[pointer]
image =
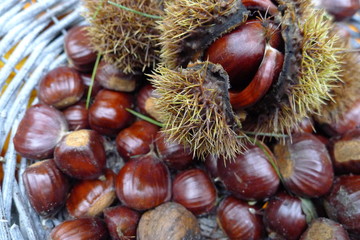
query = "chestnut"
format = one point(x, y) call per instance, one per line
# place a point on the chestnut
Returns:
point(136, 139)
point(77, 116)
point(95, 86)
point(325, 229)
point(81, 154)
point(239, 220)
point(61, 87)
point(194, 190)
point(122, 222)
point(343, 202)
point(305, 165)
point(111, 77)
point(345, 152)
point(46, 186)
point(211, 167)
point(168, 221)
point(341, 9)
point(78, 50)
point(145, 100)
point(174, 154)
point(40, 130)
point(80, 229)
point(108, 115)
point(283, 217)
point(250, 175)
point(89, 198)
point(143, 182)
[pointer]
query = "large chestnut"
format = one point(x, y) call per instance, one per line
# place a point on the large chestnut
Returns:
point(78, 50)
point(46, 186)
point(143, 182)
point(249, 176)
point(108, 115)
point(305, 165)
point(40, 130)
point(239, 220)
point(194, 190)
point(81, 154)
point(89, 198)
point(80, 229)
point(136, 139)
point(61, 87)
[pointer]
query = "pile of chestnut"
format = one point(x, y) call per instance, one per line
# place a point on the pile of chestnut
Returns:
point(307, 187)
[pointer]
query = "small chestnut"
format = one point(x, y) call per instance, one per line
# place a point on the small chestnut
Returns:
point(145, 100)
point(46, 186)
point(325, 229)
point(194, 190)
point(40, 130)
point(108, 115)
point(89, 198)
point(77, 116)
point(80, 229)
point(61, 87)
point(136, 139)
point(122, 222)
point(81, 154)
point(143, 182)
point(78, 50)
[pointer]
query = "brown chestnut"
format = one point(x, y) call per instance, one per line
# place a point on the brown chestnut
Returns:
point(345, 152)
point(174, 154)
point(325, 229)
point(77, 116)
point(46, 186)
point(89, 198)
point(40, 130)
point(239, 220)
point(111, 77)
point(81, 154)
point(61, 87)
point(250, 175)
point(168, 221)
point(80, 229)
point(305, 165)
point(108, 115)
point(122, 222)
point(341, 9)
point(145, 100)
point(342, 204)
point(143, 182)
point(95, 86)
point(283, 217)
point(194, 190)
point(136, 139)
point(78, 50)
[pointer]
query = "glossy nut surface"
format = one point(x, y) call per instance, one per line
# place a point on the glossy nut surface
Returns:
point(81, 154)
point(46, 186)
point(40, 130)
point(77, 116)
point(61, 87)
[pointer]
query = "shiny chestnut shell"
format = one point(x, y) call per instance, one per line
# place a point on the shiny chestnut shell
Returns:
point(46, 186)
point(305, 165)
point(342, 204)
point(136, 139)
point(143, 182)
point(325, 229)
point(78, 50)
point(81, 154)
point(194, 190)
point(250, 175)
point(174, 154)
point(239, 220)
point(40, 130)
point(283, 216)
point(122, 222)
point(61, 87)
point(80, 229)
point(89, 198)
point(108, 115)
point(77, 116)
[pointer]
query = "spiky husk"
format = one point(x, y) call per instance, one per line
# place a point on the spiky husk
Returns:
point(189, 26)
point(311, 70)
point(125, 39)
point(195, 110)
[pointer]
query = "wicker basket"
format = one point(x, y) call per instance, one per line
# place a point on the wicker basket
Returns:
point(31, 43)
